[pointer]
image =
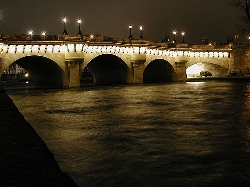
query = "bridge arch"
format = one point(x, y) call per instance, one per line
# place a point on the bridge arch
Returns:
point(108, 69)
point(216, 70)
point(159, 71)
point(44, 71)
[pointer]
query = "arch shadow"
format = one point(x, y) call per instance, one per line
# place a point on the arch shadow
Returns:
point(108, 69)
point(158, 71)
point(45, 72)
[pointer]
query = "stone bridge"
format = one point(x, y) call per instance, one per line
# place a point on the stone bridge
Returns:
point(60, 63)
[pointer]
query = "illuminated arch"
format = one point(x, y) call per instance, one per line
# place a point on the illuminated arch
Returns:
point(215, 69)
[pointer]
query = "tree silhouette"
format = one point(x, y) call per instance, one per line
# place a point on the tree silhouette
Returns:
point(244, 8)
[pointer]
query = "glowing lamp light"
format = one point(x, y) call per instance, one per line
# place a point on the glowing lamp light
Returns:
point(130, 32)
point(174, 33)
point(79, 21)
point(30, 32)
point(64, 20)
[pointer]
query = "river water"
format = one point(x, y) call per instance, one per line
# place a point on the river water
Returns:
point(178, 134)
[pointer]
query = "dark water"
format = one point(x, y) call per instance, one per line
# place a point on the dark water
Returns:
point(186, 134)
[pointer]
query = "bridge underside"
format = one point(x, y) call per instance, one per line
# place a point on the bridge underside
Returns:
point(44, 71)
point(215, 69)
point(109, 70)
point(158, 71)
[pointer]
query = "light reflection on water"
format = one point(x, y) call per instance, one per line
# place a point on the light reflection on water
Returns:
point(186, 134)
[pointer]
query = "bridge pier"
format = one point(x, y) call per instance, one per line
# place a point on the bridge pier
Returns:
point(138, 69)
point(74, 72)
point(180, 69)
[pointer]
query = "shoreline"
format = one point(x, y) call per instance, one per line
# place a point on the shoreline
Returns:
point(224, 79)
point(25, 158)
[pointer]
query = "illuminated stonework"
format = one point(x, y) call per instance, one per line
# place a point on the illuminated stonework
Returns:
point(130, 53)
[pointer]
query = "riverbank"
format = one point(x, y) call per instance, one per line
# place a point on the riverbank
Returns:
point(25, 159)
point(220, 79)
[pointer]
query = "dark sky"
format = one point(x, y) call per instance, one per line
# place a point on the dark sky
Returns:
point(214, 19)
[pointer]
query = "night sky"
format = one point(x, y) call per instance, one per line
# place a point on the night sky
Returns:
point(214, 19)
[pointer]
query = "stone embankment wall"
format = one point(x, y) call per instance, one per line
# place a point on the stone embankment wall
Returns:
point(24, 158)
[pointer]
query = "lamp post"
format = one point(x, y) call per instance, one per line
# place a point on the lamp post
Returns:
point(141, 28)
point(174, 33)
point(130, 32)
point(43, 35)
point(183, 38)
point(30, 33)
point(64, 26)
point(91, 37)
point(79, 26)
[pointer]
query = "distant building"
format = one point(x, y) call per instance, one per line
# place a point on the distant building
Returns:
point(204, 41)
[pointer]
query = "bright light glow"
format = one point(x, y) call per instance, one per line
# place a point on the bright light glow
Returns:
point(194, 70)
point(211, 54)
point(64, 20)
point(221, 54)
point(175, 54)
point(79, 21)
point(63, 48)
point(5, 48)
point(26, 75)
point(174, 32)
point(34, 48)
point(180, 53)
point(79, 47)
point(19, 48)
point(30, 32)
point(130, 26)
point(12, 48)
point(49, 48)
point(91, 36)
point(141, 28)
point(71, 47)
point(56, 48)
point(43, 33)
point(28, 48)
point(42, 48)
point(183, 33)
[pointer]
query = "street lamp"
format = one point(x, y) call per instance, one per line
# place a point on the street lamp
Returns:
point(64, 26)
point(141, 28)
point(183, 39)
point(174, 33)
point(43, 34)
point(30, 33)
point(130, 32)
point(91, 37)
point(79, 26)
